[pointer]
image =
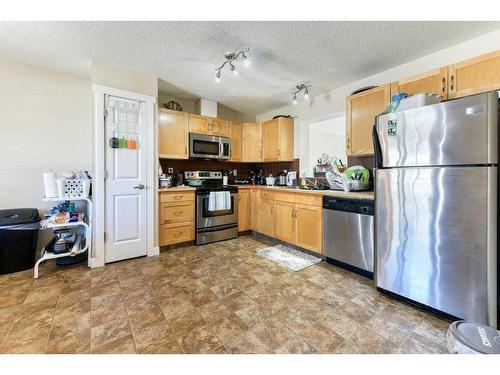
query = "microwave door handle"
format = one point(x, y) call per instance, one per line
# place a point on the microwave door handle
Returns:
point(220, 149)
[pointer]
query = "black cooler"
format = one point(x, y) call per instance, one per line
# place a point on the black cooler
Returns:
point(18, 239)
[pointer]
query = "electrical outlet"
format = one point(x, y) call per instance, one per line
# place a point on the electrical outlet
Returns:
point(235, 172)
point(170, 170)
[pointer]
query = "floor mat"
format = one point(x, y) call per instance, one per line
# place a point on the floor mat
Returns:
point(289, 258)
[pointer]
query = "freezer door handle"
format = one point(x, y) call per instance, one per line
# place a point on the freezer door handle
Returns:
point(377, 150)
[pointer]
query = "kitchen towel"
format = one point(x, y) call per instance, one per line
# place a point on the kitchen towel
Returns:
point(219, 201)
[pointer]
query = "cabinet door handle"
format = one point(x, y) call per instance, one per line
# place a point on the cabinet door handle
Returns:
point(443, 84)
point(452, 82)
point(177, 213)
point(348, 143)
point(185, 149)
point(178, 197)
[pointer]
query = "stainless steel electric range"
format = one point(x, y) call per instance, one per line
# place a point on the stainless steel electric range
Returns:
point(213, 225)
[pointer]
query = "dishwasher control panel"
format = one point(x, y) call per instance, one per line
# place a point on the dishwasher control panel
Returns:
point(358, 206)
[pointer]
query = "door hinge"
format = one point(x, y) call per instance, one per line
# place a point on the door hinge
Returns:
point(105, 236)
point(106, 113)
point(105, 175)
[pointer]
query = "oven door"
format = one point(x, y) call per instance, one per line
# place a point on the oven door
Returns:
point(206, 146)
point(206, 218)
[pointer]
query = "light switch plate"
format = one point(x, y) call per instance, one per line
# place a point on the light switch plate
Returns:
point(235, 172)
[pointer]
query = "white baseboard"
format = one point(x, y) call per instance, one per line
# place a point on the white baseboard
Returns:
point(154, 252)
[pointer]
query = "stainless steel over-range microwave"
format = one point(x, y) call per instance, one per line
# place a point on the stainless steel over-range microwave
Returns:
point(202, 146)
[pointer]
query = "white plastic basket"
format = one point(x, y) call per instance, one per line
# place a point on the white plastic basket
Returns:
point(76, 188)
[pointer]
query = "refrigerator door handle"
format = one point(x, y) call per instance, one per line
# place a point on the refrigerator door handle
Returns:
point(377, 150)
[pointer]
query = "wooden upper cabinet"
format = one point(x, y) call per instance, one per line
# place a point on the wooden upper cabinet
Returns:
point(236, 135)
point(219, 127)
point(172, 134)
point(361, 111)
point(198, 124)
point(271, 140)
point(277, 140)
point(474, 76)
point(433, 82)
point(244, 210)
point(207, 125)
point(252, 142)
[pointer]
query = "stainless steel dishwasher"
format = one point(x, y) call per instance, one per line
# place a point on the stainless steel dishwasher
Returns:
point(348, 233)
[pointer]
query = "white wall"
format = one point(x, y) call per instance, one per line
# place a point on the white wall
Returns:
point(322, 106)
point(124, 79)
point(223, 111)
point(187, 106)
point(327, 136)
point(45, 122)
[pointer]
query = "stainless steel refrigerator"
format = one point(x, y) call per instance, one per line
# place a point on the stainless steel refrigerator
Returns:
point(436, 206)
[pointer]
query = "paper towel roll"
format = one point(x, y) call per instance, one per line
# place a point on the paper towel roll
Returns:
point(50, 185)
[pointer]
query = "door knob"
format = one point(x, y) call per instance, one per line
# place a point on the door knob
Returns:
point(140, 187)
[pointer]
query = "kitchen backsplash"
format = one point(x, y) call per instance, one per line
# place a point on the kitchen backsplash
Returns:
point(243, 169)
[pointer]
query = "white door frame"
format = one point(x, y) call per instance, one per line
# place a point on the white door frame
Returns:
point(98, 181)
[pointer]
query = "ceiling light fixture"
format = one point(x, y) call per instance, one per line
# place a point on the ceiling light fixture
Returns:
point(230, 58)
point(300, 87)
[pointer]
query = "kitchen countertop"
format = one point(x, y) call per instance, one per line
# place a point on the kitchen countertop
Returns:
point(331, 193)
point(177, 188)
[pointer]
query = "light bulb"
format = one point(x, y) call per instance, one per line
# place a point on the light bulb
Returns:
point(294, 100)
point(306, 95)
point(217, 77)
point(235, 72)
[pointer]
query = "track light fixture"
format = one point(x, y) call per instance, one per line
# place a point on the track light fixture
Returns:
point(298, 89)
point(231, 57)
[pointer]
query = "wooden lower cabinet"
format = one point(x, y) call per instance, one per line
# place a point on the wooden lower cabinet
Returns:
point(176, 217)
point(284, 221)
point(174, 213)
point(176, 233)
point(244, 210)
point(254, 210)
point(293, 218)
point(266, 216)
point(309, 227)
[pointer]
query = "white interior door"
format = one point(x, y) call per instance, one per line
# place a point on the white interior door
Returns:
point(126, 169)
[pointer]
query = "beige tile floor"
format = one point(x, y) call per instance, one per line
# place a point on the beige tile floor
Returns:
point(218, 298)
